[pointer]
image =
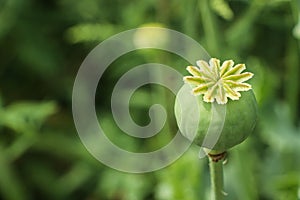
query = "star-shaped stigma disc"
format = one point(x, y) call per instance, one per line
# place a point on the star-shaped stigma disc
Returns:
point(218, 82)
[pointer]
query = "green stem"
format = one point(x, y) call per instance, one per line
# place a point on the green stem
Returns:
point(216, 177)
point(210, 27)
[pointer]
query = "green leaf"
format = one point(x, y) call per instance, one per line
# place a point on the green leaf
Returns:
point(25, 117)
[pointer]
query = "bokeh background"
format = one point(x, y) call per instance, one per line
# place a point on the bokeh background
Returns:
point(43, 43)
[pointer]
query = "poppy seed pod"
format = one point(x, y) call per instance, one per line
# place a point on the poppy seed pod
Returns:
point(219, 85)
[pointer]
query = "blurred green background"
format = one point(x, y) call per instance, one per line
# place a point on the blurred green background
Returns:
point(43, 43)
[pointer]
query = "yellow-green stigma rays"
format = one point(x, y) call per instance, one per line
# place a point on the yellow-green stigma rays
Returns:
point(218, 82)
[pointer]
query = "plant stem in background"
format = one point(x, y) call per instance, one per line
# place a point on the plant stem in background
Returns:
point(216, 176)
point(210, 27)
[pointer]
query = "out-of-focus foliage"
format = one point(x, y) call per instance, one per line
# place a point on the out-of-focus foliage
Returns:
point(42, 46)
